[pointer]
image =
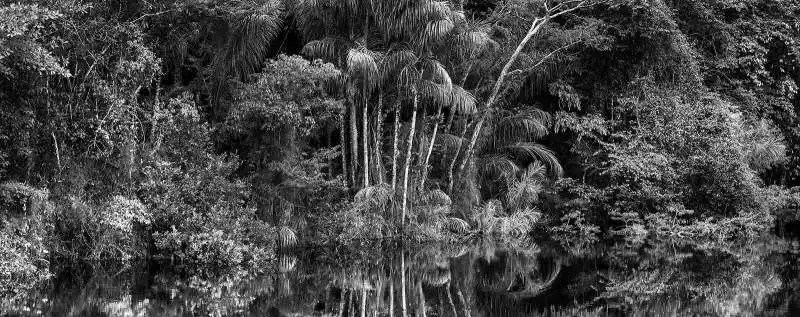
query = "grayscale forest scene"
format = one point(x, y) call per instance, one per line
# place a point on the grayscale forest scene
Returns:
point(399, 158)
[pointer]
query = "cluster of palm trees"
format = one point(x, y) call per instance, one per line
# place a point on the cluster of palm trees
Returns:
point(406, 66)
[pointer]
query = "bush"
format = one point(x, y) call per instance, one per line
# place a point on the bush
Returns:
point(200, 214)
point(121, 230)
point(23, 237)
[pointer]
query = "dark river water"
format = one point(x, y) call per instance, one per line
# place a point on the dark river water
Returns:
point(476, 278)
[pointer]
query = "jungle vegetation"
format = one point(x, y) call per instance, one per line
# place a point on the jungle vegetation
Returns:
point(215, 132)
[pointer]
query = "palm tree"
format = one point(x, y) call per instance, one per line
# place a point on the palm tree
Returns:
point(509, 147)
point(408, 33)
point(250, 29)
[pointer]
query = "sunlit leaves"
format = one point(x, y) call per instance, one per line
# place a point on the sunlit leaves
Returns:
point(22, 40)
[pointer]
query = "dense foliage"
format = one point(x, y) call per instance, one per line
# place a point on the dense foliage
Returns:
point(215, 132)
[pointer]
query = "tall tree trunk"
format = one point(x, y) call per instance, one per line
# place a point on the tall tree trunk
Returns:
point(535, 27)
point(365, 137)
point(378, 139)
point(430, 147)
point(354, 142)
point(395, 149)
point(408, 156)
point(343, 142)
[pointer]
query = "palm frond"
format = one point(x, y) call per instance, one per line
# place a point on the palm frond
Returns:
point(435, 72)
point(248, 41)
point(329, 49)
point(530, 152)
point(447, 143)
point(396, 61)
point(438, 93)
point(524, 192)
point(361, 63)
point(475, 41)
point(497, 167)
point(765, 154)
point(437, 30)
point(462, 101)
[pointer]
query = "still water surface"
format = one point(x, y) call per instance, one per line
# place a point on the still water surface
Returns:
point(479, 278)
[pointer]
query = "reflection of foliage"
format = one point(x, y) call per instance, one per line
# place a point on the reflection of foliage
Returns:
point(731, 279)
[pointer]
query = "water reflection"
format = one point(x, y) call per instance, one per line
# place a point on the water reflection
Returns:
point(754, 278)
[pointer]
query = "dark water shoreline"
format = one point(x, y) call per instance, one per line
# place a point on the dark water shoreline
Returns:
point(483, 278)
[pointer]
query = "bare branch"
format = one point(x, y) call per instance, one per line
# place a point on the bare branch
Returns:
point(543, 59)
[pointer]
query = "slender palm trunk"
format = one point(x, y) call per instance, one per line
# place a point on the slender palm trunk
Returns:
point(343, 142)
point(395, 154)
point(408, 156)
point(378, 139)
point(395, 149)
point(430, 147)
point(365, 137)
point(353, 142)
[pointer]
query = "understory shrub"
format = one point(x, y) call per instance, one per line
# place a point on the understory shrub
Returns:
point(23, 237)
point(201, 215)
